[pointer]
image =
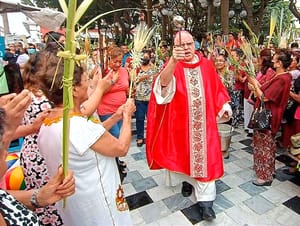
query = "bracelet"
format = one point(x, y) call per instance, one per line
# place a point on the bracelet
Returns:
point(33, 200)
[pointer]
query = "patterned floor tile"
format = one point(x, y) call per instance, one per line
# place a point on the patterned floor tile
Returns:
point(252, 189)
point(246, 174)
point(139, 156)
point(238, 202)
point(294, 204)
point(246, 142)
point(248, 149)
point(174, 219)
point(275, 196)
point(236, 195)
point(281, 176)
point(177, 202)
point(144, 184)
point(138, 200)
point(284, 158)
point(192, 213)
point(259, 204)
point(221, 186)
point(132, 176)
point(233, 180)
point(159, 193)
point(232, 156)
point(222, 203)
point(154, 211)
point(296, 180)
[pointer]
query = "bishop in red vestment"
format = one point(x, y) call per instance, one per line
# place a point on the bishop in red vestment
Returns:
point(187, 99)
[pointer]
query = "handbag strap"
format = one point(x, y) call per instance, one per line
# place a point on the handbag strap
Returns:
point(262, 102)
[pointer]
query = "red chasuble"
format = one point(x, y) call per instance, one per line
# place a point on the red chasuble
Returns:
point(182, 136)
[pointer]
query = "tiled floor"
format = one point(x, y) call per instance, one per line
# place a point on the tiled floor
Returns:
point(238, 203)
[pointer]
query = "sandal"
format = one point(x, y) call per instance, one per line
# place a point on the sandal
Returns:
point(139, 142)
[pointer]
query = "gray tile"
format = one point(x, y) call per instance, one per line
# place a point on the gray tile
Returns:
point(245, 174)
point(221, 203)
point(139, 156)
point(144, 184)
point(252, 189)
point(132, 176)
point(154, 211)
point(244, 163)
point(177, 202)
point(238, 202)
point(221, 186)
point(259, 204)
point(246, 142)
point(231, 158)
point(248, 149)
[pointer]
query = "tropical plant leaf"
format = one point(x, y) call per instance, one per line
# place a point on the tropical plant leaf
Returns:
point(81, 10)
point(64, 7)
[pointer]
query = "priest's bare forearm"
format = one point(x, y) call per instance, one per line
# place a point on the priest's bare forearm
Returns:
point(167, 72)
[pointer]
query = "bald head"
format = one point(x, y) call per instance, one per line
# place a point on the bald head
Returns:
point(187, 43)
point(185, 37)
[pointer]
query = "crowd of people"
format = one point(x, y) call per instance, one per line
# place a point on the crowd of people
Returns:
point(180, 96)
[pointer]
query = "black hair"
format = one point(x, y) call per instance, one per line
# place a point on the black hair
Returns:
point(266, 60)
point(285, 56)
point(52, 36)
point(294, 45)
point(238, 51)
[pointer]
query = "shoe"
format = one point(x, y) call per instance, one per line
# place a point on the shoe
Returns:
point(225, 154)
point(266, 183)
point(140, 142)
point(187, 189)
point(208, 213)
point(250, 135)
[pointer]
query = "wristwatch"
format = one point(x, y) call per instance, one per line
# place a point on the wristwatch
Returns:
point(33, 199)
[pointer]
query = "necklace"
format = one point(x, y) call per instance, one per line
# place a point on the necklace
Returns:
point(49, 121)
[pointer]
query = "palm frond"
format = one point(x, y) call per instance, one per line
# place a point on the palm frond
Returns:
point(273, 22)
point(63, 6)
point(248, 60)
point(142, 37)
point(81, 10)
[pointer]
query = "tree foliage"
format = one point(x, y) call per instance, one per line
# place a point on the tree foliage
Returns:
point(198, 19)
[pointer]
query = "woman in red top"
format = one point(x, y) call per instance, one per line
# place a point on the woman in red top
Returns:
point(116, 96)
point(276, 94)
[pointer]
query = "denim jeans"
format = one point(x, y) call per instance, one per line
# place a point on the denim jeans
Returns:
point(115, 129)
point(140, 115)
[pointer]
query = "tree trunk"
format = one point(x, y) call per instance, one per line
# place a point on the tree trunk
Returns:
point(149, 13)
point(211, 15)
point(294, 10)
point(249, 19)
point(224, 16)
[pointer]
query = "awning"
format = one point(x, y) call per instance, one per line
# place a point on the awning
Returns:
point(44, 17)
point(7, 6)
